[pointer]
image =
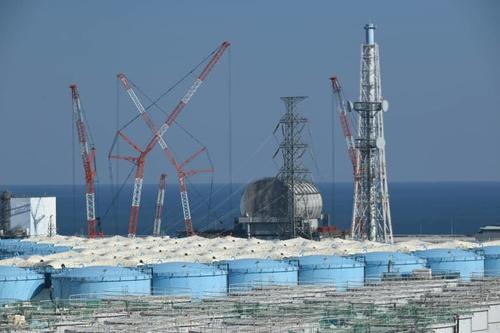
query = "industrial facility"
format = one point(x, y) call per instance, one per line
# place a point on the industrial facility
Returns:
point(25, 217)
point(288, 205)
point(275, 276)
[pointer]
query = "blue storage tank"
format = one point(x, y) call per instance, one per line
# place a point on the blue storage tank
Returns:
point(19, 284)
point(464, 264)
point(380, 264)
point(491, 260)
point(245, 274)
point(338, 271)
point(190, 279)
point(96, 281)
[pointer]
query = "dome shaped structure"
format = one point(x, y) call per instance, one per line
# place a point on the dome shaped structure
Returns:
point(267, 197)
point(264, 209)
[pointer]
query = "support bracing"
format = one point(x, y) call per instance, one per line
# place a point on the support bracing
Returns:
point(159, 206)
point(371, 211)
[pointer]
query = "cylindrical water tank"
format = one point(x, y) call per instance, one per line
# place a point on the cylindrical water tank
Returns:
point(96, 281)
point(491, 260)
point(190, 279)
point(245, 274)
point(450, 262)
point(381, 264)
point(19, 284)
point(338, 271)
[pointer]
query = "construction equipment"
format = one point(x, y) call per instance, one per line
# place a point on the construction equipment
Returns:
point(139, 178)
point(159, 205)
point(342, 109)
point(179, 167)
point(87, 151)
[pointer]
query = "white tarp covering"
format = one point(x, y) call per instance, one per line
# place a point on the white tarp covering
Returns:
point(125, 251)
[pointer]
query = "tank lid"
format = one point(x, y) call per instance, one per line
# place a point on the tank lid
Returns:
point(395, 257)
point(325, 261)
point(102, 273)
point(448, 255)
point(12, 273)
point(185, 269)
point(259, 265)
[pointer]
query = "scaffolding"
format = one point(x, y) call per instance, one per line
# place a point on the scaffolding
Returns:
point(402, 305)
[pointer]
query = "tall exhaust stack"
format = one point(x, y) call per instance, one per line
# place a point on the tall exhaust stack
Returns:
point(371, 212)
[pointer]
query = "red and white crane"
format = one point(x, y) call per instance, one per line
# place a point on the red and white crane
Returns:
point(159, 205)
point(87, 151)
point(139, 178)
point(342, 105)
point(181, 172)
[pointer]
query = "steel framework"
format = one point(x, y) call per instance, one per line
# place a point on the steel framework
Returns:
point(371, 211)
point(182, 174)
point(292, 149)
point(159, 205)
point(87, 152)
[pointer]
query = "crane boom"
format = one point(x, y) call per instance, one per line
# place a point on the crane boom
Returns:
point(159, 205)
point(158, 134)
point(194, 87)
point(138, 179)
point(88, 156)
point(344, 122)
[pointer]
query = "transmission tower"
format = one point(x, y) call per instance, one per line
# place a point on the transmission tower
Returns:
point(371, 211)
point(292, 149)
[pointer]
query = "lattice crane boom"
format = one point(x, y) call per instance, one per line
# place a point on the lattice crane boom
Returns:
point(159, 206)
point(158, 134)
point(138, 179)
point(88, 155)
point(342, 110)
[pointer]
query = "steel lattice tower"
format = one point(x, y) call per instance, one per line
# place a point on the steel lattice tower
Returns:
point(292, 149)
point(371, 212)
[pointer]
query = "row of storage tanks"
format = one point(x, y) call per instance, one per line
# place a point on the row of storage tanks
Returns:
point(203, 280)
point(16, 247)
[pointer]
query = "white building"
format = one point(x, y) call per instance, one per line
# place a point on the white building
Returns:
point(33, 216)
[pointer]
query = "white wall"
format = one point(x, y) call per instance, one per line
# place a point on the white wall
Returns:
point(26, 211)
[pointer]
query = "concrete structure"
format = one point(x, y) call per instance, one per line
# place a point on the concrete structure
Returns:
point(188, 279)
point(337, 271)
point(100, 281)
point(488, 233)
point(34, 216)
point(451, 262)
point(19, 284)
point(380, 265)
point(246, 274)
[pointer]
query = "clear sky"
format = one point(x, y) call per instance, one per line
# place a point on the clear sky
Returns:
point(439, 62)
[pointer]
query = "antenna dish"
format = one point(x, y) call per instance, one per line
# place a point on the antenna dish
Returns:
point(385, 105)
point(380, 143)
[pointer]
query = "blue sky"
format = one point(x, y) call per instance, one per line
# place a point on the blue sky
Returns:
point(438, 61)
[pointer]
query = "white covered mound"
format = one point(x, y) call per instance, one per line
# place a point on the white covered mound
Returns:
point(132, 252)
